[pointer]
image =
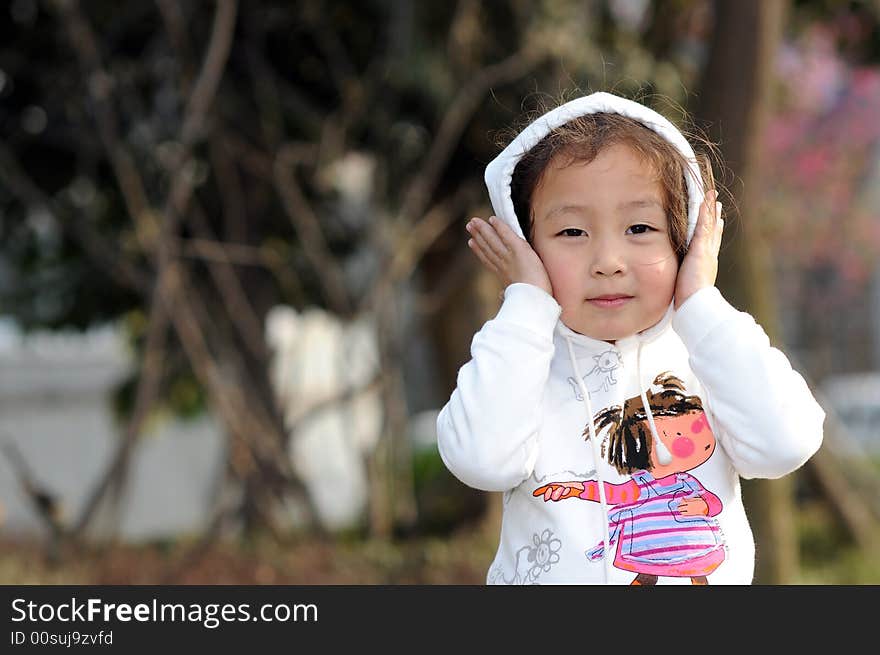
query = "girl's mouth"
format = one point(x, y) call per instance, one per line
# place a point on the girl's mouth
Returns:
point(609, 302)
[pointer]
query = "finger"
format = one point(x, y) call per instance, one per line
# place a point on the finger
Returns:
point(717, 229)
point(478, 251)
point(508, 236)
point(476, 236)
point(479, 235)
point(711, 201)
point(489, 233)
point(557, 493)
point(548, 493)
point(707, 212)
point(539, 491)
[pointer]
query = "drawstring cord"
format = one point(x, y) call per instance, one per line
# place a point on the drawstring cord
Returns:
point(596, 459)
point(663, 455)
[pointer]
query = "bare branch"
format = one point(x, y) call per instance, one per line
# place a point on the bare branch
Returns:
point(45, 502)
point(851, 508)
point(212, 69)
point(465, 38)
point(459, 270)
point(223, 252)
point(241, 255)
point(175, 25)
point(98, 248)
point(145, 397)
point(197, 107)
point(230, 189)
point(455, 121)
point(238, 306)
point(190, 319)
point(308, 227)
point(341, 67)
point(258, 441)
point(282, 96)
point(417, 241)
point(100, 85)
point(343, 396)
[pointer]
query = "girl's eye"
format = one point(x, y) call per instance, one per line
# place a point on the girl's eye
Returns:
point(641, 228)
point(571, 232)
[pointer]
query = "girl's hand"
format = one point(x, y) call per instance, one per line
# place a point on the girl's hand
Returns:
point(700, 265)
point(559, 490)
point(507, 255)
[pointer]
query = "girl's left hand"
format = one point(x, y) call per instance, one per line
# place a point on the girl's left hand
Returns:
point(700, 265)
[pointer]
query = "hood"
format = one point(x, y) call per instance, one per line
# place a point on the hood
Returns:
point(498, 177)
point(500, 170)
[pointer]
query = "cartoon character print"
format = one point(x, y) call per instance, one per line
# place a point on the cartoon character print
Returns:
point(662, 524)
point(602, 374)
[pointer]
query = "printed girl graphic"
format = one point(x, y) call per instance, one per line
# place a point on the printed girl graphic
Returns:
point(663, 521)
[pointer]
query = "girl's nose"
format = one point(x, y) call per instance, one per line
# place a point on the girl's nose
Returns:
point(608, 260)
point(607, 268)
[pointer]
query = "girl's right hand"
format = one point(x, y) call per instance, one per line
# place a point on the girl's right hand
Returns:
point(506, 254)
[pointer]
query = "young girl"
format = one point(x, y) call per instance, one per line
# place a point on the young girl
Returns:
point(614, 371)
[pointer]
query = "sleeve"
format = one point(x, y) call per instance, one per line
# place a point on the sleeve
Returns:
point(487, 433)
point(615, 494)
point(769, 421)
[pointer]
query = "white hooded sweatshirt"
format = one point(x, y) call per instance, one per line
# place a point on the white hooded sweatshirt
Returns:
point(540, 403)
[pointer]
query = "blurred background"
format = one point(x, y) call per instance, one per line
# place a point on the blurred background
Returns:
point(235, 288)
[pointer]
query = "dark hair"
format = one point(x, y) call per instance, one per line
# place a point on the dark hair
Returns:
point(630, 440)
point(579, 142)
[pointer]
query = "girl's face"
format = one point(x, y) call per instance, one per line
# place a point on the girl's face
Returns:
point(601, 231)
point(689, 440)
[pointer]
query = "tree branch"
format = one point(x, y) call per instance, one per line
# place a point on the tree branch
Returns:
point(100, 85)
point(308, 227)
point(237, 304)
point(98, 248)
point(240, 254)
point(454, 122)
point(175, 25)
point(417, 241)
point(145, 398)
point(212, 70)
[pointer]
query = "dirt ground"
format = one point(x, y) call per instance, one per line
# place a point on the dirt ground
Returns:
point(461, 558)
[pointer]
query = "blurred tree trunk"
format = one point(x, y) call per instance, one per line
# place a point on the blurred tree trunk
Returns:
point(732, 106)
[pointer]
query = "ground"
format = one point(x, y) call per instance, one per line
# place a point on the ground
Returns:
point(462, 558)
